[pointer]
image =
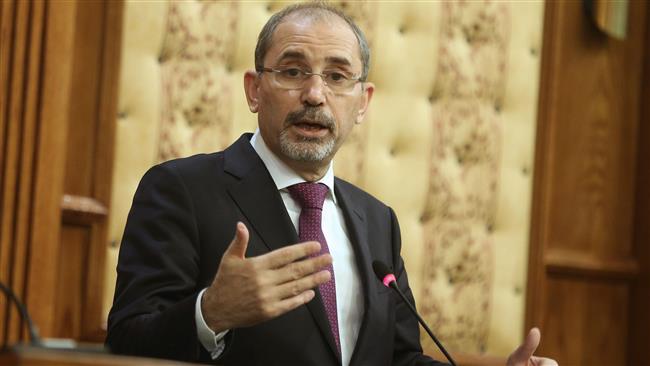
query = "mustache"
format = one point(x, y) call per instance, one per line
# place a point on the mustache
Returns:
point(311, 115)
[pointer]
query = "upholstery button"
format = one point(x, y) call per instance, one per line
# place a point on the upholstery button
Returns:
point(524, 171)
point(269, 8)
point(518, 290)
point(497, 108)
point(489, 228)
point(121, 115)
point(401, 29)
point(533, 51)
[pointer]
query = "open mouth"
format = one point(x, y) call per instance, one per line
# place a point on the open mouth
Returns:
point(311, 129)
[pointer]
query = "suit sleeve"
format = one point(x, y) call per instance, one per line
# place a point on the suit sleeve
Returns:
point(407, 351)
point(156, 290)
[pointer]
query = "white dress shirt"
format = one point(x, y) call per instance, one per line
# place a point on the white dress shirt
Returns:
point(349, 298)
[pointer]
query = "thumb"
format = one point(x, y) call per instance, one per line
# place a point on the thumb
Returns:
point(525, 351)
point(239, 243)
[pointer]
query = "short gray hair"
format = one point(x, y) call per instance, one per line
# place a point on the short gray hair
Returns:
point(311, 8)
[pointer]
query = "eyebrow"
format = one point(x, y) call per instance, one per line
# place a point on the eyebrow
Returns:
point(300, 56)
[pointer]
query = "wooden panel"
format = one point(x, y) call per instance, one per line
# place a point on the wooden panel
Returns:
point(71, 283)
point(21, 79)
point(94, 321)
point(592, 136)
point(84, 89)
point(57, 110)
point(89, 160)
point(587, 327)
point(582, 264)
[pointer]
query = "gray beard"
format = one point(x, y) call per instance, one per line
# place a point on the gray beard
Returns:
point(306, 149)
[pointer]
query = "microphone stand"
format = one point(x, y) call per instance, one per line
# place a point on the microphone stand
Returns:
point(35, 340)
point(394, 286)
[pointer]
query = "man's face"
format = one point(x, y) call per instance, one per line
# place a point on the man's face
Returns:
point(308, 124)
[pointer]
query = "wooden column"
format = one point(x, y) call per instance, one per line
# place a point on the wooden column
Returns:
point(583, 265)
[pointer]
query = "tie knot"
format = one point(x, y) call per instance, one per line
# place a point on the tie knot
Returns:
point(309, 195)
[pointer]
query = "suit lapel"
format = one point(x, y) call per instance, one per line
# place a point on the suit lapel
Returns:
point(258, 198)
point(355, 222)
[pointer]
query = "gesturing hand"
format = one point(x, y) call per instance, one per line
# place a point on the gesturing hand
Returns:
point(247, 291)
point(523, 355)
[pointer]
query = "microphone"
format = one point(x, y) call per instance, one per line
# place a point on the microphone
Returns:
point(386, 276)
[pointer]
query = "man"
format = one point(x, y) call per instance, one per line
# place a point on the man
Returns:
point(187, 290)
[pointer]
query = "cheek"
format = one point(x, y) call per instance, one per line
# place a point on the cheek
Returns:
point(275, 107)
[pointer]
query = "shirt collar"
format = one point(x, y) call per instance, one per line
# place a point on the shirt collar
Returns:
point(282, 175)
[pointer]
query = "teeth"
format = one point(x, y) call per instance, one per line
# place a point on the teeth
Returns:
point(309, 126)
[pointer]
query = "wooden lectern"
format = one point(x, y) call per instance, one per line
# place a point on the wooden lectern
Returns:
point(35, 356)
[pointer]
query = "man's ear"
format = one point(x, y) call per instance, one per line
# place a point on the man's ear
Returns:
point(251, 85)
point(368, 90)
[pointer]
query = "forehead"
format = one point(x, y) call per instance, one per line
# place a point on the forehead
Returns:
point(315, 38)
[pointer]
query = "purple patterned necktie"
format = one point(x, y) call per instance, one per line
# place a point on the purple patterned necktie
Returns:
point(311, 197)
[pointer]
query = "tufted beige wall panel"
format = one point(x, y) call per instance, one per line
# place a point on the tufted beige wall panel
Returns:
point(448, 141)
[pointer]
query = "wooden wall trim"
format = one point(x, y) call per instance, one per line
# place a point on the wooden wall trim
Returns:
point(81, 210)
point(575, 264)
point(639, 352)
point(535, 289)
point(94, 324)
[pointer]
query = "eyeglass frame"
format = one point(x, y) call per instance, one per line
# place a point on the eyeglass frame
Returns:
point(309, 74)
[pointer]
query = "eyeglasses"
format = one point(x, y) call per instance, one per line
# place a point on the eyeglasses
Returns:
point(293, 78)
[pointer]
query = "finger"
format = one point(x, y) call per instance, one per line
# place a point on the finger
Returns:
point(294, 288)
point(524, 352)
point(291, 303)
point(239, 243)
point(283, 256)
point(299, 269)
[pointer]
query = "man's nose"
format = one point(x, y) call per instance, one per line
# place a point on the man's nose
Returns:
point(313, 90)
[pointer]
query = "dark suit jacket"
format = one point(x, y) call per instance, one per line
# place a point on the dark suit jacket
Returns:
point(182, 219)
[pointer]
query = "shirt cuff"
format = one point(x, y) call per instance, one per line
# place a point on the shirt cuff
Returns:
point(213, 343)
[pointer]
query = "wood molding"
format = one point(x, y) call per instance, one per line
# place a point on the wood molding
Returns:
point(575, 264)
point(639, 352)
point(88, 170)
point(94, 328)
point(82, 210)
